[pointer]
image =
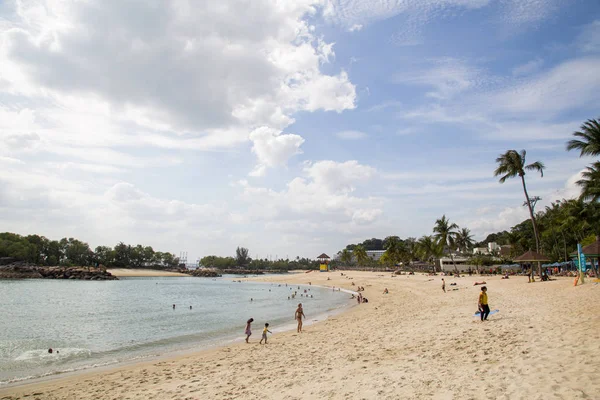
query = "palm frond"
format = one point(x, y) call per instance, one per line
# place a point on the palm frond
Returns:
point(589, 143)
point(536, 166)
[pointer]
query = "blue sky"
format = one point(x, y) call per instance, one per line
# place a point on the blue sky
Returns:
point(292, 128)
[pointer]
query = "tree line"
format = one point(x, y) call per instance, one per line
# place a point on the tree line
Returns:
point(242, 260)
point(554, 231)
point(40, 250)
point(446, 238)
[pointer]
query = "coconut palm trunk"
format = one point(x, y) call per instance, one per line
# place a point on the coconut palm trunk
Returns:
point(535, 230)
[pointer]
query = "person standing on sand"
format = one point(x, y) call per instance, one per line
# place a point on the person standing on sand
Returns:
point(298, 316)
point(484, 308)
point(443, 285)
point(264, 335)
point(248, 331)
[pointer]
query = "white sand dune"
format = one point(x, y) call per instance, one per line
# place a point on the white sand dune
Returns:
point(414, 343)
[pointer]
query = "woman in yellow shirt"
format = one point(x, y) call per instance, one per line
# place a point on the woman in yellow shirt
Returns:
point(484, 308)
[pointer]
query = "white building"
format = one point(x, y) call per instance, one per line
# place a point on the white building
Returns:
point(446, 264)
point(375, 254)
point(492, 247)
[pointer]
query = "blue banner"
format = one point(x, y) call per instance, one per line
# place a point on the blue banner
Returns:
point(582, 260)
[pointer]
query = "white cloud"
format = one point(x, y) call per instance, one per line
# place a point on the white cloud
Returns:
point(343, 177)
point(272, 148)
point(351, 12)
point(589, 39)
point(351, 135)
point(530, 131)
point(572, 84)
point(79, 55)
point(324, 196)
point(355, 28)
point(448, 77)
point(528, 68)
point(528, 12)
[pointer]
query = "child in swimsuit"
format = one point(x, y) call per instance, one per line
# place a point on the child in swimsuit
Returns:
point(264, 335)
point(248, 331)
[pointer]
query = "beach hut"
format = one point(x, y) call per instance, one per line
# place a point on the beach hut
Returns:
point(592, 252)
point(530, 257)
point(324, 262)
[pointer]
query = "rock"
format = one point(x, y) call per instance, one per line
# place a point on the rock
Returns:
point(204, 273)
point(23, 270)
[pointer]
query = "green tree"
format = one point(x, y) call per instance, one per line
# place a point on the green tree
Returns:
point(241, 256)
point(445, 233)
point(464, 240)
point(76, 252)
point(393, 250)
point(346, 257)
point(104, 255)
point(512, 164)
point(360, 254)
point(590, 183)
point(429, 249)
point(587, 140)
point(122, 255)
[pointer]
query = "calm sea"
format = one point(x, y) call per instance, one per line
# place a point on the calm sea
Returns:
point(102, 323)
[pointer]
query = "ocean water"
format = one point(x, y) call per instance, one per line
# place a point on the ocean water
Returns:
point(102, 323)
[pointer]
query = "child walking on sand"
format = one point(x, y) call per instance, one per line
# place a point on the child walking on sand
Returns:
point(248, 331)
point(264, 335)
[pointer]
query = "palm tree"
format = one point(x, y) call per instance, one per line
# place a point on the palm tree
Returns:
point(590, 183)
point(346, 257)
point(589, 142)
point(360, 254)
point(393, 249)
point(445, 234)
point(429, 249)
point(464, 239)
point(511, 164)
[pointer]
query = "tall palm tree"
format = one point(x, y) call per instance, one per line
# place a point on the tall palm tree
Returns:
point(346, 257)
point(512, 164)
point(360, 254)
point(393, 249)
point(445, 234)
point(464, 239)
point(590, 183)
point(589, 139)
point(429, 249)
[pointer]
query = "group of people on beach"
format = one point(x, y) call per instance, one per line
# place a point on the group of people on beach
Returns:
point(298, 316)
point(248, 331)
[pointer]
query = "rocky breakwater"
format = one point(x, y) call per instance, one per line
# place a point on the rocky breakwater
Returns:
point(243, 271)
point(204, 273)
point(20, 270)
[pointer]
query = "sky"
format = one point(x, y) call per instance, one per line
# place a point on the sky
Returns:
point(291, 128)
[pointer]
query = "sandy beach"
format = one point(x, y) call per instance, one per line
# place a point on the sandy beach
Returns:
point(127, 272)
point(416, 342)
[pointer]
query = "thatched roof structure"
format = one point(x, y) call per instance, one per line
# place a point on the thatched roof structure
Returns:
point(323, 256)
point(591, 250)
point(531, 256)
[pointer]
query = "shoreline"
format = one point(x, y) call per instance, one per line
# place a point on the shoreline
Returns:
point(194, 351)
point(416, 342)
point(147, 273)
